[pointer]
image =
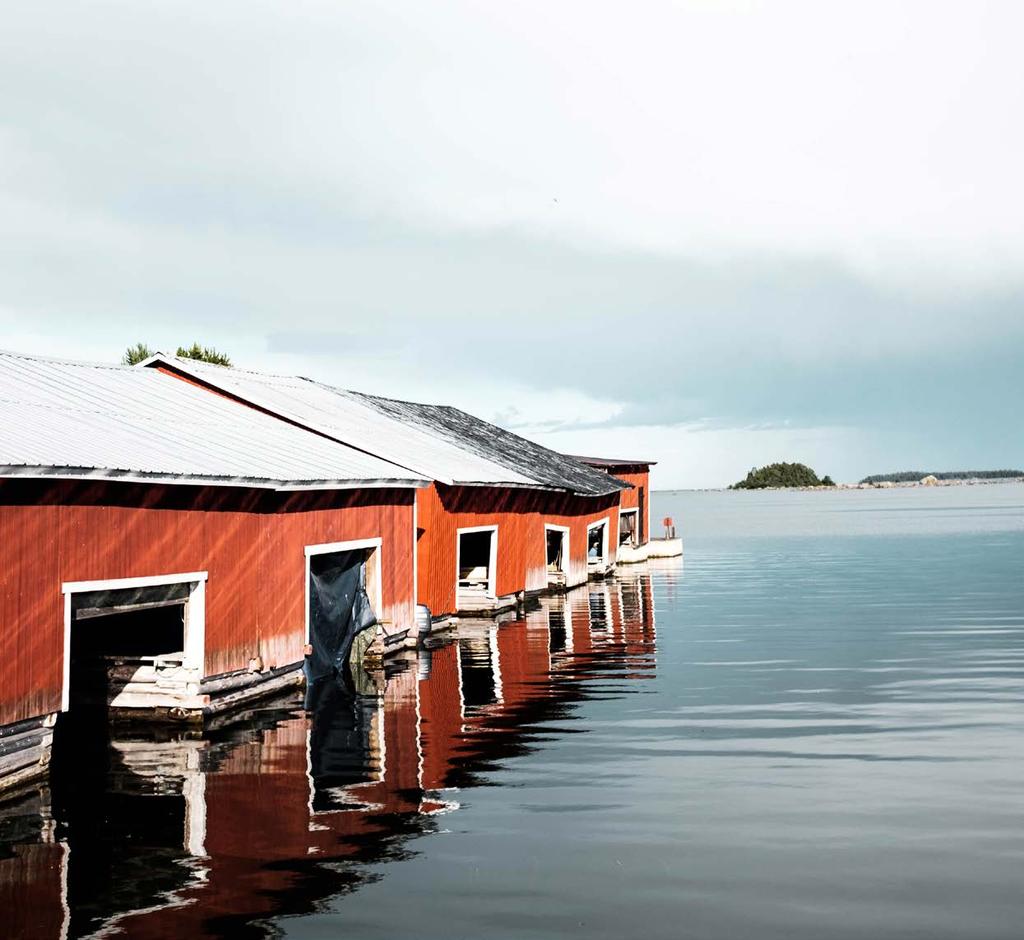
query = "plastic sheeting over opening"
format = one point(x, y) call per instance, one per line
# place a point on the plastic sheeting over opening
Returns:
point(339, 608)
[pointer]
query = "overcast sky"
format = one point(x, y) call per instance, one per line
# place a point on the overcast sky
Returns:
point(712, 233)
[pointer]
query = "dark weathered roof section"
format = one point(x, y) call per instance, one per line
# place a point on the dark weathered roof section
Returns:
point(608, 463)
point(548, 467)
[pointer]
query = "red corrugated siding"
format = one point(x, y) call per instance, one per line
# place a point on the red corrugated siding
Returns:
point(520, 515)
point(251, 543)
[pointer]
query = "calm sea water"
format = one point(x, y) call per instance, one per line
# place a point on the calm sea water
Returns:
point(811, 727)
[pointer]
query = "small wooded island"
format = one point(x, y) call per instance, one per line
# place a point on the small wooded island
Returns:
point(781, 475)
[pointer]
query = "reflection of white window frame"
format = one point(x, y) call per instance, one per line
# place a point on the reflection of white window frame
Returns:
point(194, 620)
point(564, 529)
point(373, 569)
point(492, 564)
point(635, 513)
point(605, 521)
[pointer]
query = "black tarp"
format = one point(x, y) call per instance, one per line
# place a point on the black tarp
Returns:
point(338, 609)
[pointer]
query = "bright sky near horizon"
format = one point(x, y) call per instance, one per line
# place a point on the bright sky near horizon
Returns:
point(714, 234)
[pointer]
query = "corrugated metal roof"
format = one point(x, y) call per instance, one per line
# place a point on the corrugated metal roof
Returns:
point(444, 444)
point(70, 419)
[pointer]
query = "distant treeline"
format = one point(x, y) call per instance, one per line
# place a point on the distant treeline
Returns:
point(912, 476)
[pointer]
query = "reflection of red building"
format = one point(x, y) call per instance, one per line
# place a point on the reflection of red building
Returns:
point(32, 879)
point(258, 820)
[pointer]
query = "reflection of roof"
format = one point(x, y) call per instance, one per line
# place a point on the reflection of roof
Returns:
point(437, 442)
point(607, 462)
point(80, 421)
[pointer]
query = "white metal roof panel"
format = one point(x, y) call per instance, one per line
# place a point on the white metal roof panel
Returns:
point(347, 417)
point(73, 419)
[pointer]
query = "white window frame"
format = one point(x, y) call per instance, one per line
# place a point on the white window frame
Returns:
point(604, 559)
point(376, 547)
point(195, 617)
point(492, 565)
point(632, 511)
point(564, 529)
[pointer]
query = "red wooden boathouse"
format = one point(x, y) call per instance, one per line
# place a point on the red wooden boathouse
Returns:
point(503, 516)
point(168, 534)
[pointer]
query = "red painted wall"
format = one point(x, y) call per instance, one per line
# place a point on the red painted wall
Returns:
point(251, 542)
point(520, 515)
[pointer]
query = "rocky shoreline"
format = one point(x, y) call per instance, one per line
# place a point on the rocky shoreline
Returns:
point(927, 481)
point(883, 485)
point(889, 485)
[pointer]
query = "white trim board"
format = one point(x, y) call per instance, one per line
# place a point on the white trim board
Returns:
point(118, 584)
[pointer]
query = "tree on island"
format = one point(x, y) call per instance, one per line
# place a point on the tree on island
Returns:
point(781, 475)
point(140, 352)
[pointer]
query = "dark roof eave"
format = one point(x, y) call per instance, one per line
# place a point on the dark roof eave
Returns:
point(622, 485)
point(609, 462)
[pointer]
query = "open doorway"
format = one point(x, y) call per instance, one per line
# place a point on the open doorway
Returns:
point(343, 599)
point(133, 648)
point(557, 547)
point(133, 643)
point(476, 565)
point(629, 528)
point(597, 546)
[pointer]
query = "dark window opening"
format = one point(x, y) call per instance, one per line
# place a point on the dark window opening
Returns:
point(555, 544)
point(475, 559)
point(627, 528)
point(595, 543)
point(109, 644)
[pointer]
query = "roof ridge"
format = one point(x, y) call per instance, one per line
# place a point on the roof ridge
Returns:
point(60, 360)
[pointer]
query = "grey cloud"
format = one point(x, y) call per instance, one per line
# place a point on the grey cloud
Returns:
point(333, 343)
point(168, 180)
